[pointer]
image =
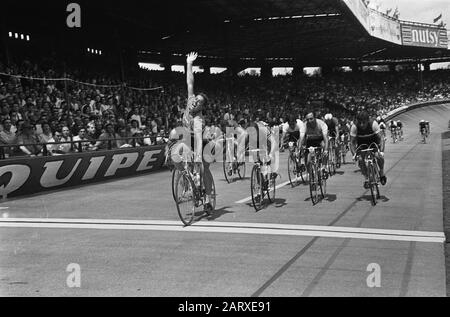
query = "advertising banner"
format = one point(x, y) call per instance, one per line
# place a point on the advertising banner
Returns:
point(424, 36)
point(25, 176)
point(385, 28)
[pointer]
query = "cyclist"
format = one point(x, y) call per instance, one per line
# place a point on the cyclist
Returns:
point(314, 134)
point(383, 127)
point(393, 128)
point(193, 120)
point(400, 129)
point(291, 131)
point(366, 132)
point(333, 130)
point(344, 132)
point(423, 128)
point(428, 128)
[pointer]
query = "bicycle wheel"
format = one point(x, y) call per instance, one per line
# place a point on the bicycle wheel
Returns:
point(372, 185)
point(292, 171)
point(332, 162)
point(175, 174)
point(271, 188)
point(322, 184)
point(344, 155)
point(213, 196)
point(301, 170)
point(227, 169)
point(185, 199)
point(241, 170)
point(256, 189)
point(338, 158)
point(313, 185)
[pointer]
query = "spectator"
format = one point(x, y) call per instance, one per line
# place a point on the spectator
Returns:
point(82, 136)
point(28, 141)
point(7, 138)
point(108, 140)
point(46, 134)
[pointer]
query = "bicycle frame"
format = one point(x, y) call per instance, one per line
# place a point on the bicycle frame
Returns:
point(372, 169)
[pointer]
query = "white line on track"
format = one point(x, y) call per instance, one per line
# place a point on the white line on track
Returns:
point(277, 187)
point(228, 228)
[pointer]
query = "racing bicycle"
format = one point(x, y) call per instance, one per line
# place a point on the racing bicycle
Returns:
point(317, 179)
point(296, 169)
point(189, 191)
point(263, 182)
point(233, 165)
point(367, 156)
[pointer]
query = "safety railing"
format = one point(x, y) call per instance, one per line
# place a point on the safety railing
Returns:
point(51, 149)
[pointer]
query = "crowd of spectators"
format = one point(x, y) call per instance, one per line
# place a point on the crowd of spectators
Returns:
point(99, 112)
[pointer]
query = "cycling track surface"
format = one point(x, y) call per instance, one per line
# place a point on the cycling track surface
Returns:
point(128, 240)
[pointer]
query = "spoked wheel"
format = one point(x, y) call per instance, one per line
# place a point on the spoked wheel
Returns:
point(323, 185)
point(314, 185)
point(175, 174)
point(332, 162)
point(338, 160)
point(271, 188)
point(227, 169)
point(241, 168)
point(213, 196)
point(292, 171)
point(344, 155)
point(301, 171)
point(373, 186)
point(185, 199)
point(257, 189)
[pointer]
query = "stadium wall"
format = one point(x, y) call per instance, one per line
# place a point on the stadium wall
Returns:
point(27, 176)
point(391, 115)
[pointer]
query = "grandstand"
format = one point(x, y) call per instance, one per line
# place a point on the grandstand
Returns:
point(83, 134)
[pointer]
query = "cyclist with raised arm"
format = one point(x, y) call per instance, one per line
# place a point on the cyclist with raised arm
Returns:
point(367, 132)
point(194, 121)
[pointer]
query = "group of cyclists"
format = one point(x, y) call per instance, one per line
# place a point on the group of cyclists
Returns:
point(330, 133)
point(396, 128)
point(329, 136)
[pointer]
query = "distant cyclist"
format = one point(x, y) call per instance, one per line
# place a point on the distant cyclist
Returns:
point(393, 128)
point(423, 128)
point(333, 130)
point(366, 132)
point(383, 126)
point(400, 129)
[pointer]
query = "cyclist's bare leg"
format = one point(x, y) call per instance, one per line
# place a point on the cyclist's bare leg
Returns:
point(207, 181)
point(380, 161)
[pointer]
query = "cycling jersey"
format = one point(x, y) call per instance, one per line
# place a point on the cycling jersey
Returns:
point(366, 135)
point(332, 124)
point(314, 134)
point(423, 127)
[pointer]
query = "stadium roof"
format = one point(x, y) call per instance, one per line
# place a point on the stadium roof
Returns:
point(284, 32)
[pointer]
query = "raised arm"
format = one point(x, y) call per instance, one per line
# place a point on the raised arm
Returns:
point(190, 73)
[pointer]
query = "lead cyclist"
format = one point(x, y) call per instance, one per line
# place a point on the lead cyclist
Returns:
point(194, 121)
